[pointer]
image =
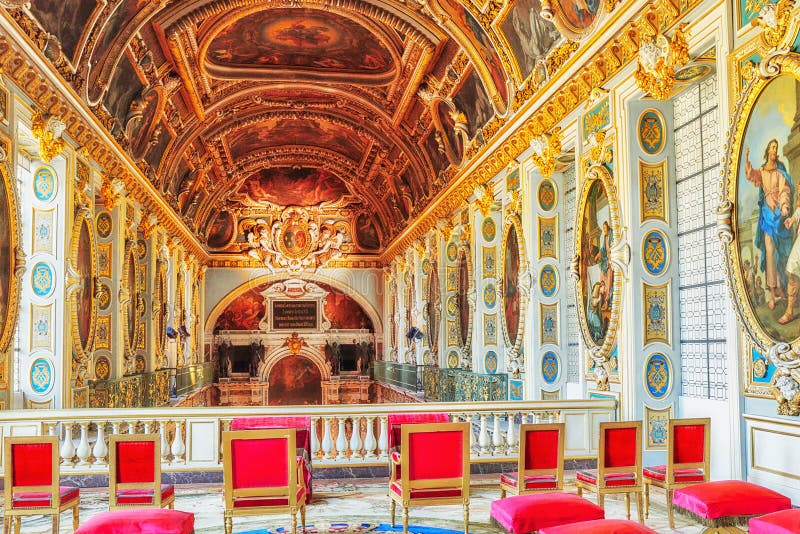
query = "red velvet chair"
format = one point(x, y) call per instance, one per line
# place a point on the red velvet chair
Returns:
point(262, 474)
point(134, 473)
point(688, 453)
point(540, 463)
point(619, 465)
point(433, 466)
point(32, 483)
point(396, 420)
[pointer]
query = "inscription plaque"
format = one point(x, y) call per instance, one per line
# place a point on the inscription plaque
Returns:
point(294, 314)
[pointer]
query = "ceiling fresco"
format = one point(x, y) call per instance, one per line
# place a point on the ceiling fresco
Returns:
point(358, 112)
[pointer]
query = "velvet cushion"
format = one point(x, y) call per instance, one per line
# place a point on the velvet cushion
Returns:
point(541, 449)
point(427, 493)
point(612, 479)
point(659, 472)
point(600, 526)
point(688, 444)
point(32, 464)
point(394, 421)
point(41, 499)
point(531, 481)
point(144, 496)
point(528, 513)
point(140, 521)
point(446, 462)
point(620, 449)
point(724, 498)
point(247, 455)
point(785, 522)
point(250, 502)
point(135, 461)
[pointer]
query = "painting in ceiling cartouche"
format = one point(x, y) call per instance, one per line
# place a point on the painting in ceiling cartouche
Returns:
point(286, 186)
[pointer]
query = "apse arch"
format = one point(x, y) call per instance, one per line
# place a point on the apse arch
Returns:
point(366, 305)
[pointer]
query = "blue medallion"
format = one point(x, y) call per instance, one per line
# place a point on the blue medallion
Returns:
point(42, 279)
point(548, 280)
point(44, 184)
point(550, 366)
point(655, 255)
point(657, 375)
point(489, 295)
point(41, 376)
point(490, 361)
point(452, 251)
point(547, 195)
point(651, 132)
point(489, 229)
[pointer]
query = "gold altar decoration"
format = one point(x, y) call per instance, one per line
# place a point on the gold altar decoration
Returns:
point(546, 148)
point(658, 58)
point(48, 129)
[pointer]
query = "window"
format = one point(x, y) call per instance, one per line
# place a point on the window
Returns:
point(573, 333)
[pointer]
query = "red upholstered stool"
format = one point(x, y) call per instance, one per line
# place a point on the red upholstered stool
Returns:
point(600, 526)
point(139, 521)
point(726, 503)
point(528, 513)
point(785, 522)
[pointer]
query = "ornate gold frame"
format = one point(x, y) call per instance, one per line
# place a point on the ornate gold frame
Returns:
point(436, 307)
point(82, 216)
point(464, 251)
point(598, 353)
point(513, 221)
point(566, 29)
point(130, 287)
point(17, 263)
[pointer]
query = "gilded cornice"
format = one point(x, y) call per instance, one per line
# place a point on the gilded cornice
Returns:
point(485, 162)
point(27, 67)
point(346, 261)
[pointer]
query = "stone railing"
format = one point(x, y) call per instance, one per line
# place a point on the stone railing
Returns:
point(190, 438)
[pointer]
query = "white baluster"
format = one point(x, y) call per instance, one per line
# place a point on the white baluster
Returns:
point(115, 427)
point(147, 427)
point(483, 438)
point(327, 441)
point(100, 450)
point(355, 439)
point(383, 438)
point(51, 429)
point(341, 441)
point(84, 450)
point(511, 435)
point(131, 427)
point(178, 447)
point(314, 439)
point(67, 448)
point(369, 440)
point(162, 427)
point(497, 435)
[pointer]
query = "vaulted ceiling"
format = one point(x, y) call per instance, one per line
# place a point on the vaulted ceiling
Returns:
point(353, 109)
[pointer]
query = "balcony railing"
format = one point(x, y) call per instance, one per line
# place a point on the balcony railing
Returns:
point(341, 435)
point(192, 377)
point(403, 375)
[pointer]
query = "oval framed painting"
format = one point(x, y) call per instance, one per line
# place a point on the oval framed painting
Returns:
point(433, 310)
point(9, 243)
point(575, 20)
point(598, 282)
point(222, 230)
point(465, 307)
point(512, 298)
point(762, 235)
point(160, 305)
point(130, 272)
point(83, 306)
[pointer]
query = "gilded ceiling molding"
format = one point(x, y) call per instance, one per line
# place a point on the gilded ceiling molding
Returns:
point(26, 67)
point(484, 164)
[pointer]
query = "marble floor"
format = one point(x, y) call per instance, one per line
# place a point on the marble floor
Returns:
point(353, 501)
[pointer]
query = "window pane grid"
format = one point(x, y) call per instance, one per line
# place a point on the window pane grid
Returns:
point(572, 332)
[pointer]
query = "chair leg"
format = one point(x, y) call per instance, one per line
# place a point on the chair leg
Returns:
point(580, 491)
point(7, 521)
point(647, 501)
point(76, 517)
point(17, 524)
point(294, 520)
point(466, 517)
point(628, 506)
point(392, 505)
point(303, 517)
point(639, 506)
point(502, 493)
point(228, 524)
point(405, 519)
point(56, 518)
point(670, 512)
point(601, 500)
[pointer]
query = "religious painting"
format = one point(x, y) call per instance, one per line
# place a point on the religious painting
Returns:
point(288, 186)
point(244, 312)
point(765, 250)
point(343, 312)
point(366, 233)
point(294, 42)
point(159, 148)
point(435, 153)
point(8, 244)
point(433, 308)
point(511, 295)
point(575, 19)
point(598, 285)
point(64, 19)
point(222, 230)
point(85, 295)
point(464, 310)
point(446, 127)
point(528, 35)
point(122, 91)
point(471, 98)
point(142, 120)
point(295, 381)
point(129, 284)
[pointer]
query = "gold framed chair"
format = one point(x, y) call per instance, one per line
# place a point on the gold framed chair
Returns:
point(433, 466)
point(540, 464)
point(262, 474)
point(619, 465)
point(688, 461)
point(32, 482)
point(134, 473)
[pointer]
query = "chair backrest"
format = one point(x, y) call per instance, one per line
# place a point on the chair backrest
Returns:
point(541, 450)
point(31, 465)
point(688, 446)
point(259, 465)
point(620, 449)
point(134, 463)
point(434, 455)
point(396, 420)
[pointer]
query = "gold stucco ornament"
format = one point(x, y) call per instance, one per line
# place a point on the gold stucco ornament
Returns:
point(48, 130)
point(658, 58)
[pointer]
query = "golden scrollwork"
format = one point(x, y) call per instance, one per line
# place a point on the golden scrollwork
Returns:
point(658, 58)
point(486, 200)
point(546, 148)
point(47, 129)
point(775, 19)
